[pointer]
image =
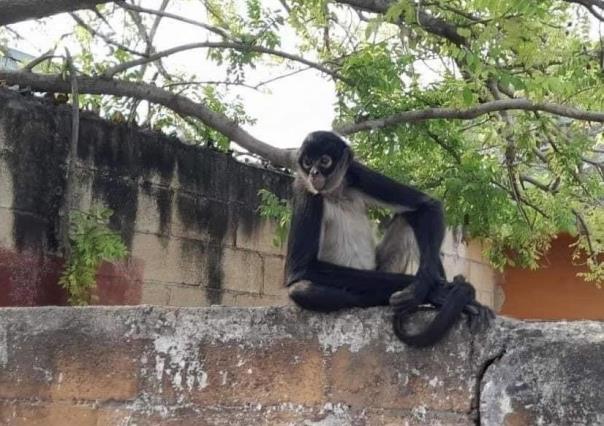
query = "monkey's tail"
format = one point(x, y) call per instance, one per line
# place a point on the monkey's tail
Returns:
point(459, 296)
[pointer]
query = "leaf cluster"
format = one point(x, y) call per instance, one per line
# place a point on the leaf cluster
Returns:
point(92, 242)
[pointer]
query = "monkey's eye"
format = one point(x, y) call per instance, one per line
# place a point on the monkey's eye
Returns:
point(325, 161)
point(306, 163)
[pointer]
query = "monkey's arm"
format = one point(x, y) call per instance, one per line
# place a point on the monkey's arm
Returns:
point(423, 213)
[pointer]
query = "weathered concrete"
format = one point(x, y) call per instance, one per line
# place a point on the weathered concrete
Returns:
point(188, 214)
point(277, 366)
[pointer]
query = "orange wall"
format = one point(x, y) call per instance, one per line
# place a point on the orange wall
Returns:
point(554, 291)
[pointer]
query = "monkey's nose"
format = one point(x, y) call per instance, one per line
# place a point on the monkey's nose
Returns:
point(314, 172)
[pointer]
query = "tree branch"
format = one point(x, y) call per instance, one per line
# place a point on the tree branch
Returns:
point(210, 28)
point(470, 113)
point(103, 37)
point(178, 104)
point(428, 22)
point(218, 45)
point(22, 10)
point(591, 6)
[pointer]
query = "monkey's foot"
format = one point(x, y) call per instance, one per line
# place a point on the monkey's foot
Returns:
point(479, 316)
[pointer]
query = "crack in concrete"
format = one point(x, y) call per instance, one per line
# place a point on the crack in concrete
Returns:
point(488, 363)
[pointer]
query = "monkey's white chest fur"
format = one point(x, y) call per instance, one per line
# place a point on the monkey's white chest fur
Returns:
point(347, 235)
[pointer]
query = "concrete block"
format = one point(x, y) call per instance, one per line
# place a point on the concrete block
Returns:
point(255, 233)
point(73, 365)
point(276, 374)
point(25, 413)
point(181, 295)
point(6, 228)
point(358, 379)
point(154, 212)
point(452, 242)
point(486, 298)
point(242, 270)
point(455, 265)
point(274, 275)
point(482, 276)
point(474, 251)
point(155, 294)
point(200, 218)
point(6, 184)
point(175, 261)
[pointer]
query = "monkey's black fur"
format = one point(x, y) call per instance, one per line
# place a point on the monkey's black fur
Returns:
point(320, 285)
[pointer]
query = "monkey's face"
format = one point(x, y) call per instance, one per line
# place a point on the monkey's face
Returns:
point(323, 160)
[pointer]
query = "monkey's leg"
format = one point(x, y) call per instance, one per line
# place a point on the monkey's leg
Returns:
point(398, 251)
point(335, 295)
point(320, 298)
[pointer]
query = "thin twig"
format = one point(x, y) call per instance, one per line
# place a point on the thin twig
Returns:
point(210, 28)
point(218, 45)
point(104, 37)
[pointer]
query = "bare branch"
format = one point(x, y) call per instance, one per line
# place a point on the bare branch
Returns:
point(37, 61)
point(470, 113)
point(209, 82)
point(595, 7)
point(210, 28)
point(583, 229)
point(22, 10)
point(178, 104)
point(542, 186)
point(218, 45)
point(103, 37)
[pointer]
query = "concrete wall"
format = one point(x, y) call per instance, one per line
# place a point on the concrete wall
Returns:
point(188, 215)
point(284, 366)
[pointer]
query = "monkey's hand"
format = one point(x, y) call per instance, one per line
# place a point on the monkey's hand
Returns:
point(407, 301)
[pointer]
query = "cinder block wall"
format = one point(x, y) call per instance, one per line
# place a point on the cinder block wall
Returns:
point(188, 215)
point(284, 366)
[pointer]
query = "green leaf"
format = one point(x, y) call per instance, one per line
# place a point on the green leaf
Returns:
point(468, 96)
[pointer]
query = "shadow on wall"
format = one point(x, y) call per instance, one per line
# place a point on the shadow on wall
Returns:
point(554, 291)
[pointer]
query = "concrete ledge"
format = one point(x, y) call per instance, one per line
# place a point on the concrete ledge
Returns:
point(214, 366)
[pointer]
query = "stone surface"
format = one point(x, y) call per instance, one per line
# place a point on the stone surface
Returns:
point(278, 366)
point(550, 373)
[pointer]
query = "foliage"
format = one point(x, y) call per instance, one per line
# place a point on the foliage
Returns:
point(92, 242)
point(276, 209)
point(514, 179)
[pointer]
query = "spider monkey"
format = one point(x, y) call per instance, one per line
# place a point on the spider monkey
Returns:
point(333, 261)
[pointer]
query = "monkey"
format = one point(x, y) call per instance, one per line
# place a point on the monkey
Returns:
point(333, 261)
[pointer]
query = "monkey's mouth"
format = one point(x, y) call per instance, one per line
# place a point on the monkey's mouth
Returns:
point(318, 183)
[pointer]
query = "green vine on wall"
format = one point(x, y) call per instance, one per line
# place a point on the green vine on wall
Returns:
point(92, 242)
point(276, 209)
